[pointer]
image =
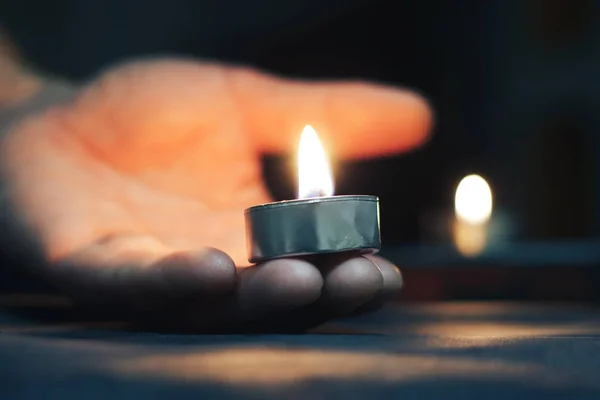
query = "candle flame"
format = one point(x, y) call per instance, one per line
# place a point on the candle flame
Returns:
point(314, 173)
point(473, 200)
point(473, 207)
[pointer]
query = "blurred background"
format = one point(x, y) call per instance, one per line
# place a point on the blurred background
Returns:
point(515, 86)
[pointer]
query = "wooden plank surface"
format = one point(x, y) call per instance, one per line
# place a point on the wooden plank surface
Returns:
point(409, 351)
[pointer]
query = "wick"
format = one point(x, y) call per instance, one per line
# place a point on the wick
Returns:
point(316, 193)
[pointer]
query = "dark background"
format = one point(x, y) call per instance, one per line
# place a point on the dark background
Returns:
point(514, 85)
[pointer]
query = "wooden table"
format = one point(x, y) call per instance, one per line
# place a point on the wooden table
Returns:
point(407, 351)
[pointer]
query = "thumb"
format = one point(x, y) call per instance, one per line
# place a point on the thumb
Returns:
point(353, 119)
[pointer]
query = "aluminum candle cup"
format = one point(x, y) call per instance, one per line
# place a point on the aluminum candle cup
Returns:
point(312, 226)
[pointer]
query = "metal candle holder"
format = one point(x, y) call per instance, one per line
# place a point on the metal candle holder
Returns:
point(315, 225)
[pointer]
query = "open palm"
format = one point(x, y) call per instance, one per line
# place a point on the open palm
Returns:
point(129, 190)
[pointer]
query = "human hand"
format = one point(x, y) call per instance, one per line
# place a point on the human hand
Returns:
point(128, 191)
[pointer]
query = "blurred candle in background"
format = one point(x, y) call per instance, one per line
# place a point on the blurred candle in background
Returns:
point(473, 211)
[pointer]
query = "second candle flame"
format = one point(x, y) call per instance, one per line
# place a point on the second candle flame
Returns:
point(314, 172)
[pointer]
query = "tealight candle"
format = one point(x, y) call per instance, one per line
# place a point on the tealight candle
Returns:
point(317, 222)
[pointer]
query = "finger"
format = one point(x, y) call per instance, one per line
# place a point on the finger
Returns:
point(291, 295)
point(278, 285)
point(392, 283)
point(263, 292)
point(392, 278)
point(349, 282)
point(139, 273)
point(353, 119)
